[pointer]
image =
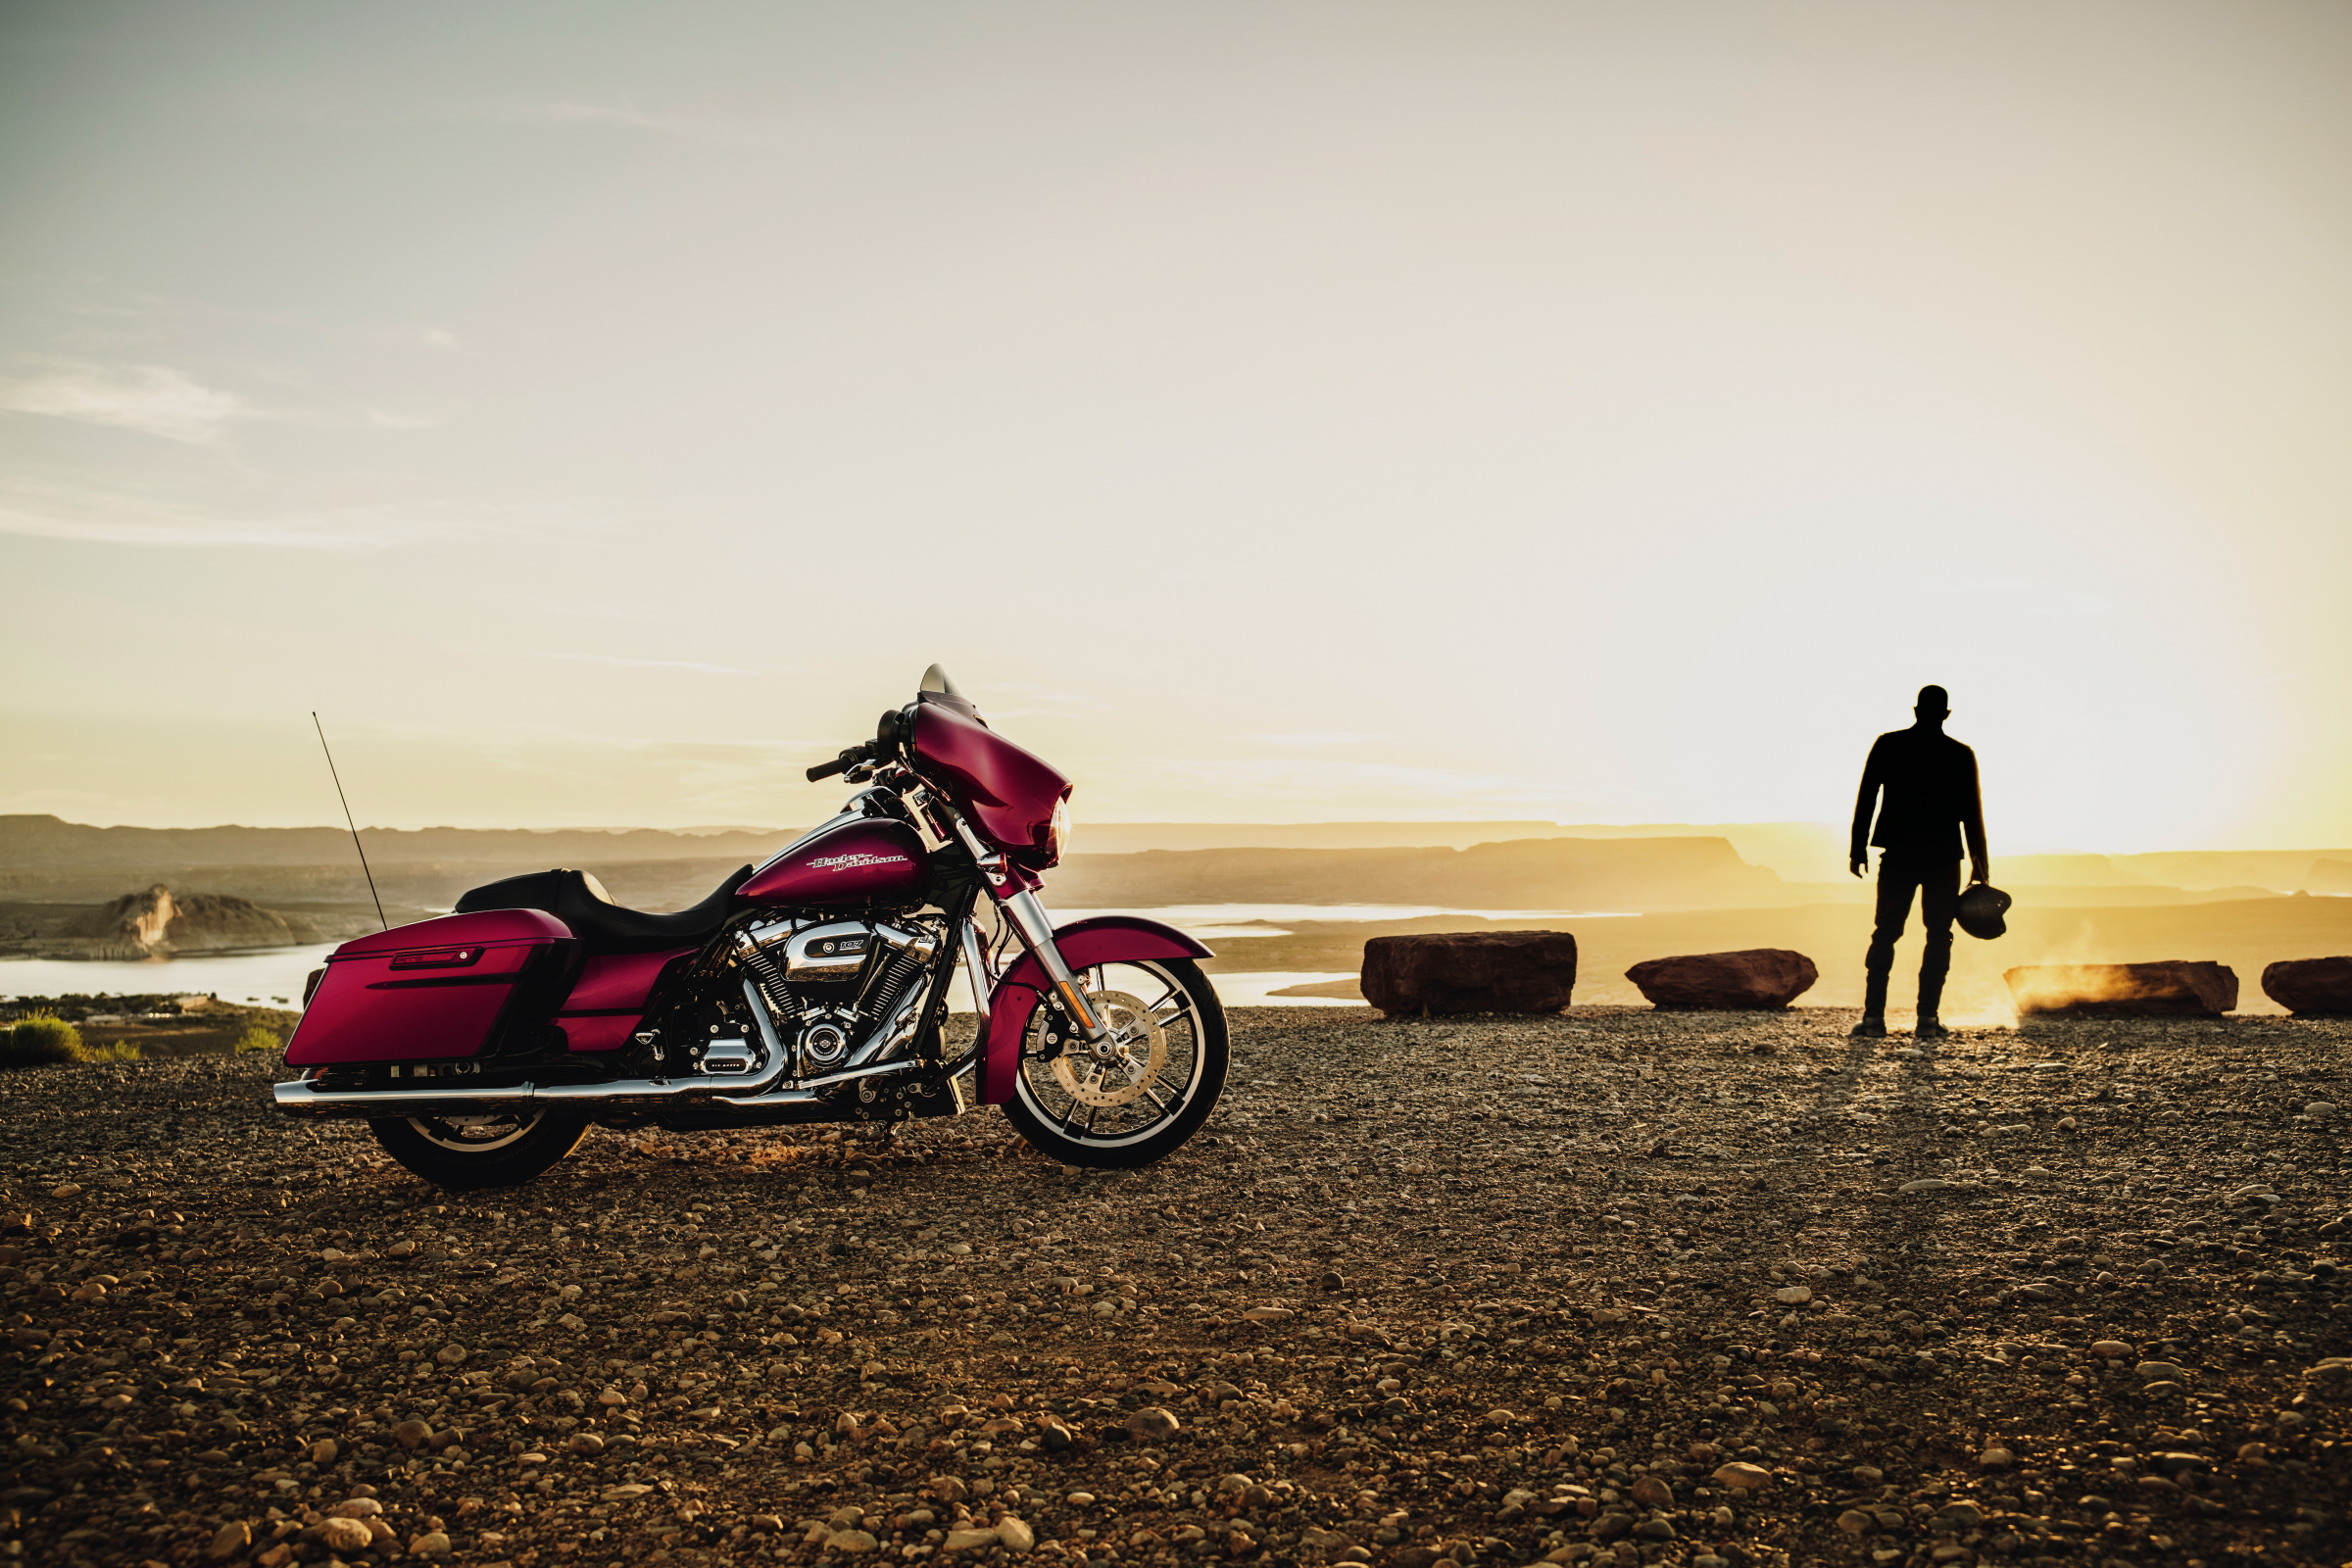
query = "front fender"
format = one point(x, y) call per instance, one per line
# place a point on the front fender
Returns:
point(1105, 939)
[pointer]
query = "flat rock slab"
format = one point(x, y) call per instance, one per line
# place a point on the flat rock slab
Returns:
point(1753, 980)
point(2311, 988)
point(1470, 971)
point(2174, 988)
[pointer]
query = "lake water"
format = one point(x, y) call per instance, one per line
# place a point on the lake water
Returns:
point(274, 975)
point(268, 976)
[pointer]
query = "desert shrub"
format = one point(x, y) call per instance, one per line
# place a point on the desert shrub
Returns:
point(120, 1050)
point(39, 1040)
point(258, 1038)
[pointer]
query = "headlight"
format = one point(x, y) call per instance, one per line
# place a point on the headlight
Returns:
point(1057, 830)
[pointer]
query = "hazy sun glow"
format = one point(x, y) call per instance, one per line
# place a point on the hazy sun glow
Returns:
point(1593, 413)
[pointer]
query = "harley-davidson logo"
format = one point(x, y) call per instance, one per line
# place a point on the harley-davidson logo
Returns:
point(846, 862)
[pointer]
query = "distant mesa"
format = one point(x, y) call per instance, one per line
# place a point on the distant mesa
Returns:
point(2333, 877)
point(1754, 980)
point(2176, 988)
point(1469, 971)
point(156, 923)
point(2311, 988)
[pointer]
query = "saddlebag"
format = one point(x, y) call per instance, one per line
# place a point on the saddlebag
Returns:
point(462, 987)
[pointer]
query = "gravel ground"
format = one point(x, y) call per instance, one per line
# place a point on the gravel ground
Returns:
point(1613, 1287)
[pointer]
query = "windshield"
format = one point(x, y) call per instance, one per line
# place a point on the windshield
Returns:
point(936, 679)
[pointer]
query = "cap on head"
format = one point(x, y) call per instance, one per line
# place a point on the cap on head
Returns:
point(1934, 700)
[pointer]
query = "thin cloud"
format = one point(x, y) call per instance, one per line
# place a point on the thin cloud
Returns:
point(1318, 736)
point(564, 111)
point(96, 516)
point(184, 532)
point(652, 664)
point(153, 399)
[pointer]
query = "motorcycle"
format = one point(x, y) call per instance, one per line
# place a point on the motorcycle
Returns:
point(481, 1046)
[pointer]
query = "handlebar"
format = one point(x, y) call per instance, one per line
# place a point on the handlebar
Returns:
point(850, 756)
point(893, 728)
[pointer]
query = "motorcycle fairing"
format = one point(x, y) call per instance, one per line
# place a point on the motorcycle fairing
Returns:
point(1102, 939)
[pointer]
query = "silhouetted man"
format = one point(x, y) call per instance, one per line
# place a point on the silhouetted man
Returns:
point(1930, 784)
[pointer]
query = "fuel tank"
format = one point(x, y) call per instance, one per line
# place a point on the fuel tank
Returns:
point(851, 859)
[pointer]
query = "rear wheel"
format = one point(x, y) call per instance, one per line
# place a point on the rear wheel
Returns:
point(1142, 1092)
point(490, 1149)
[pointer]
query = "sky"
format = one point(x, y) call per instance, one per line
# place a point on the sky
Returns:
point(1268, 411)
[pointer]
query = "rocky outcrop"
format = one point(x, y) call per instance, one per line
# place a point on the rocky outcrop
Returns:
point(1754, 980)
point(2176, 988)
point(1470, 971)
point(2311, 988)
point(156, 923)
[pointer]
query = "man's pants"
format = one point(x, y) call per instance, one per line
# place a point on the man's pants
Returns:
point(1937, 881)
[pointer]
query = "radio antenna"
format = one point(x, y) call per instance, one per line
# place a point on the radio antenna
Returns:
point(347, 821)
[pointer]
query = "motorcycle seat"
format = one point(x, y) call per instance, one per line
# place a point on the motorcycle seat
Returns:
point(578, 899)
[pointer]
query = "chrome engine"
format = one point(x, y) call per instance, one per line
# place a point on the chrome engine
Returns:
point(842, 994)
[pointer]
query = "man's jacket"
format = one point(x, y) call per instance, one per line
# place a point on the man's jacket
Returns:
point(1929, 783)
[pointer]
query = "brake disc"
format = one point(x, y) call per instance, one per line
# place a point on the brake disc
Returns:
point(1126, 1062)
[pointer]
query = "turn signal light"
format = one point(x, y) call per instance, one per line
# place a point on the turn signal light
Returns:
point(437, 958)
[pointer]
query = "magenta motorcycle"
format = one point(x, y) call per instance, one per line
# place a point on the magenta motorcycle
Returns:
point(481, 1047)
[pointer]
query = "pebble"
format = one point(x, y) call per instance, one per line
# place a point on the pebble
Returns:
point(1152, 1424)
point(2159, 1372)
point(342, 1535)
point(229, 1541)
point(1652, 1493)
point(1925, 1184)
point(2319, 1107)
point(1995, 1459)
point(1794, 1294)
point(1014, 1534)
point(1742, 1476)
point(854, 1542)
point(2110, 1350)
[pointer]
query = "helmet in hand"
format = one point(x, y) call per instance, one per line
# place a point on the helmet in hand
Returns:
point(1981, 912)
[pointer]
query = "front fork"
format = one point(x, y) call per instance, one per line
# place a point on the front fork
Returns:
point(1036, 929)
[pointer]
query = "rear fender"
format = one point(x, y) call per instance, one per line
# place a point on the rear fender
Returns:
point(1105, 939)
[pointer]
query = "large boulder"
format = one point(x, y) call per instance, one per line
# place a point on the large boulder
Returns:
point(1753, 980)
point(1470, 971)
point(2176, 988)
point(2311, 988)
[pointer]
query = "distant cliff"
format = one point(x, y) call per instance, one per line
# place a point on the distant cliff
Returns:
point(156, 923)
point(1623, 874)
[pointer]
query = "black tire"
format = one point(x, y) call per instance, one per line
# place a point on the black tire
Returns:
point(1044, 1111)
point(469, 1155)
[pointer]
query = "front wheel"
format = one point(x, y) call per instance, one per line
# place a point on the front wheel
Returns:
point(495, 1148)
point(1141, 1093)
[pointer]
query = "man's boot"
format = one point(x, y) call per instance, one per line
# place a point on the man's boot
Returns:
point(1932, 968)
point(1874, 1006)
